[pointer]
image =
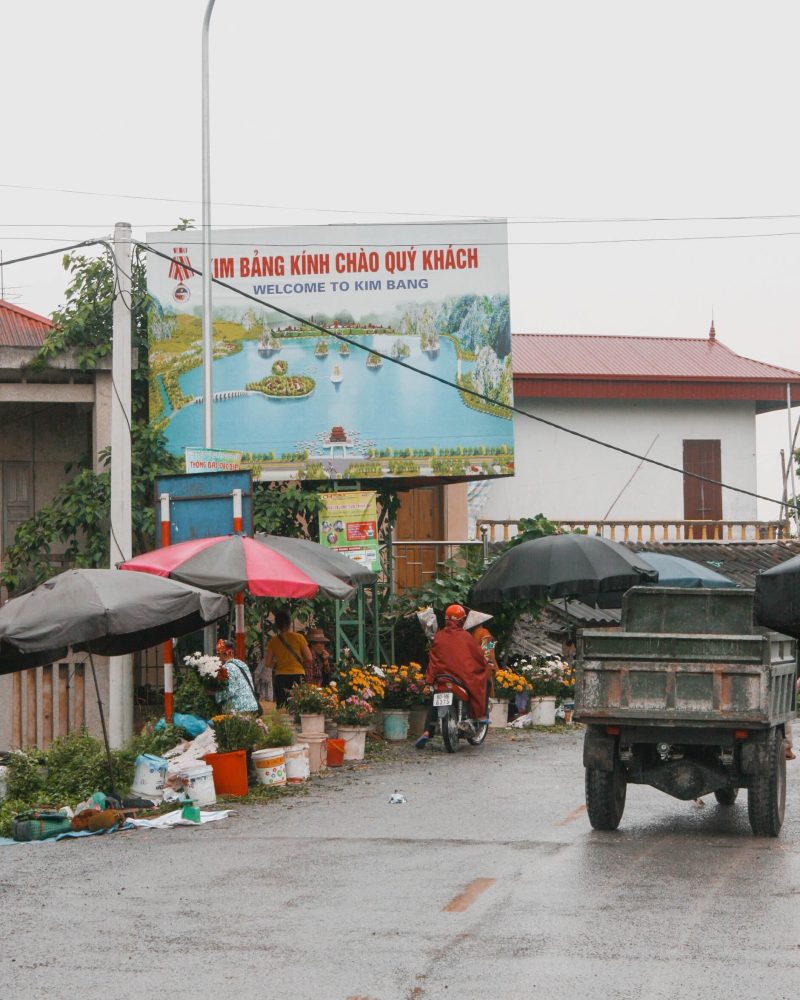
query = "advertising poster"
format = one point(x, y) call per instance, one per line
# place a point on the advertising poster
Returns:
point(348, 523)
point(396, 302)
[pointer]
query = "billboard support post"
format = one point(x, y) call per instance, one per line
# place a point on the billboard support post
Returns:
point(169, 679)
point(208, 329)
point(238, 599)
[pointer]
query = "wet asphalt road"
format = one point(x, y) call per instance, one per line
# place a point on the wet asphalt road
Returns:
point(489, 882)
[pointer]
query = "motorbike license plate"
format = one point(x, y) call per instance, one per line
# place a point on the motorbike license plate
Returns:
point(443, 698)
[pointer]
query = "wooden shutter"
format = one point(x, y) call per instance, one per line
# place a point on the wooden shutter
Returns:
point(420, 517)
point(702, 501)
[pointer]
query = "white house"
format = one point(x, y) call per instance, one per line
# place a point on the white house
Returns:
point(689, 403)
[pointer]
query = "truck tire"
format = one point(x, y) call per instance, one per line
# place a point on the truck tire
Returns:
point(726, 796)
point(605, 797)
point(766, 796)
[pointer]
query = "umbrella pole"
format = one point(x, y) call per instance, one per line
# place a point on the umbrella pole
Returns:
point(105, 731)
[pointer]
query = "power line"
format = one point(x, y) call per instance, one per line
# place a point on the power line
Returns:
point(453, 217)
point(471, 392)
point(49, 253)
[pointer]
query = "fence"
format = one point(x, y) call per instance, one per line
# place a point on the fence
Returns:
point(655, 530)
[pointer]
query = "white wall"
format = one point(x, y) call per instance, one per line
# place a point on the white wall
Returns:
point(565, 477)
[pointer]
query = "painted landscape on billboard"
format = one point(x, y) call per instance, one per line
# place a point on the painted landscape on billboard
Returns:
point(302, 404)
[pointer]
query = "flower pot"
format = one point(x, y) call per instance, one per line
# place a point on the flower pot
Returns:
point(312, 724)
point(395, 723)
point(416, 721)
point(298, 765)
point(317, 752)
point(270, 766)
point(230, 771)
point(543, 710)
point(355, 741)
point(498, 712)
point(375, 724)
point(331, 729)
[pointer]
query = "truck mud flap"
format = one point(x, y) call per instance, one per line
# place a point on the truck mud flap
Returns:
point(755, 754)
point(598, 750)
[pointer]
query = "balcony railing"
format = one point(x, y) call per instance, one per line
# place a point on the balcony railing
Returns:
point(654, 530)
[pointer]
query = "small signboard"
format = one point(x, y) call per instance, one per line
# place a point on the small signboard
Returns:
point(348, 523)
point(212, 460)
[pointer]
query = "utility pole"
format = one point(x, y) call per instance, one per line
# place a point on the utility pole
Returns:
point(208, 328)
point(120, 668)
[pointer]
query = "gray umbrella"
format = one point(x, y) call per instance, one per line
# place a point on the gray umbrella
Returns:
point(100, 611)
point(582, 566)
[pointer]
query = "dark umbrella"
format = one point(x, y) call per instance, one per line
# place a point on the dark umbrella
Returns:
point(100, 611)
point(581, 566)
point(675, 571)
point(777, 598)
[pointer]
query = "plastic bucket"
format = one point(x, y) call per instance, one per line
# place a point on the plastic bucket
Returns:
point(198, 783)
point(543, 710)
point(298, 767)
point(498, 712)
point(230, 771)
point(335, 752)
point(355, 740)
point(148, 777)
point(317, 752)
point(270, 766)
point(395, 723)
point(312, 725)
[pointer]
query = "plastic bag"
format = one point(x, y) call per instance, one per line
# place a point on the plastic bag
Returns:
point(192, 725)
point(427, 621)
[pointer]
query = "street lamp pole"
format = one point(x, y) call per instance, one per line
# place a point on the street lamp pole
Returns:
point(208, 336)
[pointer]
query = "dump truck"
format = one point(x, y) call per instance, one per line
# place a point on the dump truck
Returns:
point(689, 697)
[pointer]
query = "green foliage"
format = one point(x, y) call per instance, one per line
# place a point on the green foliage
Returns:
point(279, 734)
point(529, 528)
point(287, 509)
point(77, 519)
point(238, 731)
point(191, 697)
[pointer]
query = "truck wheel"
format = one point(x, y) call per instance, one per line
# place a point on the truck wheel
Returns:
point(605, 797)
point(726, 796)
point(766, 796)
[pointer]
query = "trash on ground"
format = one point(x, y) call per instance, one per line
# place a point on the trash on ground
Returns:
point(397, 799)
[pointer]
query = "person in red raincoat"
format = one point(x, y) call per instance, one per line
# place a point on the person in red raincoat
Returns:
point(459, 654)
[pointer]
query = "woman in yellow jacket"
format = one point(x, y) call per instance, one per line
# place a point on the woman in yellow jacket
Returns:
point(288, 655)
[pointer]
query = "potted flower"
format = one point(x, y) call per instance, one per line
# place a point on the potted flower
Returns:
point(311, 703)
point(237, 734)
point(507, 684)
point(353, 716)
point(269, 760)
point(367, 682)
point(404, 689)
point(551, 679)
point(198, 686)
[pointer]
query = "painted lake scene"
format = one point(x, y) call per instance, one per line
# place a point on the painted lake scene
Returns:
point(343, 394)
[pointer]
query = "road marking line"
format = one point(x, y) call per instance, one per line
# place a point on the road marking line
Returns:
point(579, 811)
point(466, 898)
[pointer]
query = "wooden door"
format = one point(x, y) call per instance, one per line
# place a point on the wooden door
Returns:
point(17, 498)
point(702, 501)
point(420, 518)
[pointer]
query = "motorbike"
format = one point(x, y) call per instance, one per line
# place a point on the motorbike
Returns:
point(451, 700)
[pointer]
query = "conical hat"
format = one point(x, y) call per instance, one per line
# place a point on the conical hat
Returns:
point(476, 618)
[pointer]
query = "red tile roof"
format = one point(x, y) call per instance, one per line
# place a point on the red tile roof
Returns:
point(20, 328)
point(553, 356)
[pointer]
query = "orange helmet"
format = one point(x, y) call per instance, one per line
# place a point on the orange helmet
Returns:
point(455, 613)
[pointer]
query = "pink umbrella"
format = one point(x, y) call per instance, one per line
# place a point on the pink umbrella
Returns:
point(229, 564)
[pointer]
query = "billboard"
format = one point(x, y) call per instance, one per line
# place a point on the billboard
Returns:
point(348, 523)
point(397, 302)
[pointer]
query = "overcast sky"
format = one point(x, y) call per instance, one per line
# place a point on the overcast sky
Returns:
point(354, 112)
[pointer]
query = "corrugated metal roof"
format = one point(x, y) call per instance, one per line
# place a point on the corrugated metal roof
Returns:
point(20, 328)
point(555, 355)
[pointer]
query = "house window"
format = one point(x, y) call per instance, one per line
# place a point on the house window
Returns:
point(702, 501)
point(16, 499)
